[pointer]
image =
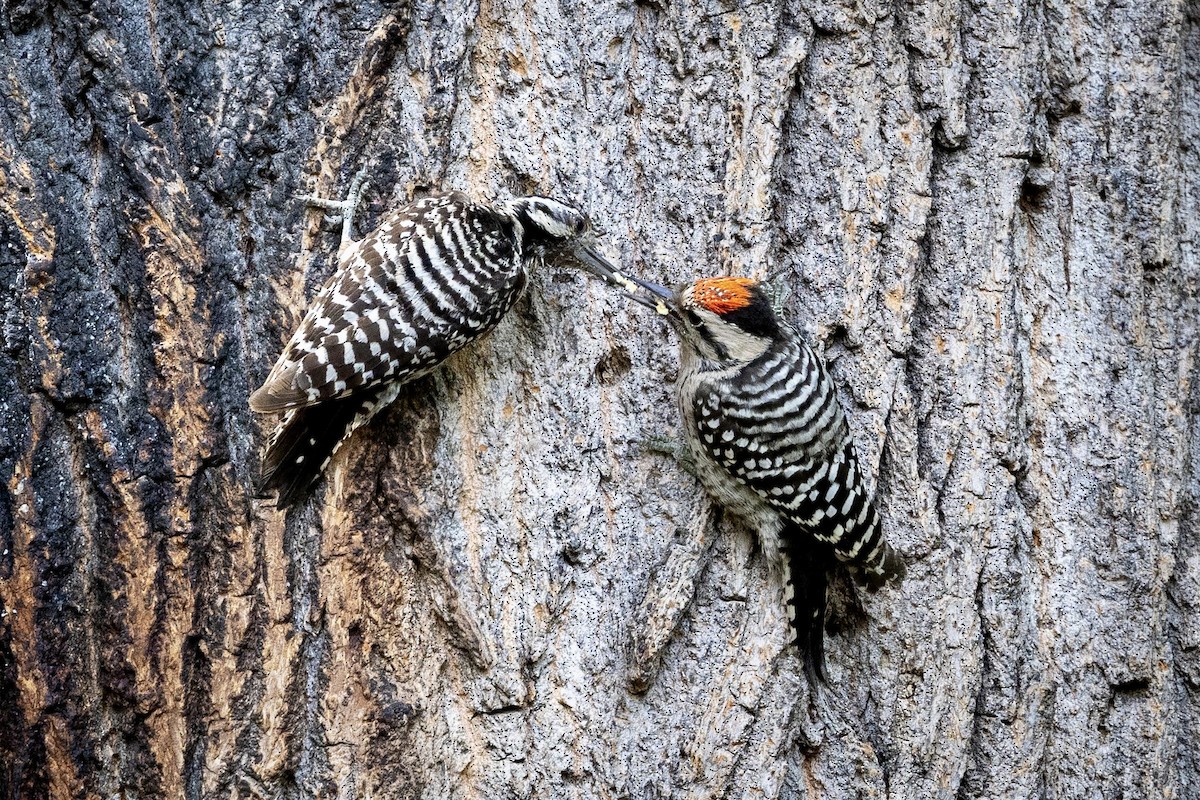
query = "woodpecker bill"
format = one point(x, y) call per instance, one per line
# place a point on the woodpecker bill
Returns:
point(771, 444)
point(437, 274)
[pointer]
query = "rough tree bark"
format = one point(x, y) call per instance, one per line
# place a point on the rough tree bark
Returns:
point(987, 214)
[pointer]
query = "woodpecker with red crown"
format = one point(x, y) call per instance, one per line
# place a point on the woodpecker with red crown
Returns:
point(770, 443)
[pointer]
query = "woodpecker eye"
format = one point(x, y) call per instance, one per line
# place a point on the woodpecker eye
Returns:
point(581, 225)
point(693, 318)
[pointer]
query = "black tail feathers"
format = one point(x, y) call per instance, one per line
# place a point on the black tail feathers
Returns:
point(305, 441)
point(809, 563)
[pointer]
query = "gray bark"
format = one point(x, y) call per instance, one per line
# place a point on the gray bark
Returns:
point(987, 215)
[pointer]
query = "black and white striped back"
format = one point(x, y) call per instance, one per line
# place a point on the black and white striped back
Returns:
point(433, 277)
point(776, 426)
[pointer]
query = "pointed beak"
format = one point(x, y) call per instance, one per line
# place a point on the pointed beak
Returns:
point(590, 259)
point(645, 293)
point(650, 295)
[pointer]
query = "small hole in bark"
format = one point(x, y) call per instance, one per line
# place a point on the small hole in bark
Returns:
point(1033, 196)
point(1132, 686)
point(838, 342)
point(572, 553)
point(613, 366)
point(396, 714)
point(1064, 109)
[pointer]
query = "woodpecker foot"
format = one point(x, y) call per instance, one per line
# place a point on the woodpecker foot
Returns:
point(674, 449)
point(345, 208)
point(778, 294)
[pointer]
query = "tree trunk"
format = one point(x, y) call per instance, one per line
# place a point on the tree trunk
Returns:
point(987, 215)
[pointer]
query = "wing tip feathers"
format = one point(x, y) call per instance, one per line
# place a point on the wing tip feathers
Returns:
point(890, 569)
point(269, 399)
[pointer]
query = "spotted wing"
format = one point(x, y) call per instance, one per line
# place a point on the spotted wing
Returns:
point(780, 430)
point(436, 275)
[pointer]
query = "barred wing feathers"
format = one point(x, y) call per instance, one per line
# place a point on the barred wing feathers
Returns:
point(433, 277)
point(780, 430)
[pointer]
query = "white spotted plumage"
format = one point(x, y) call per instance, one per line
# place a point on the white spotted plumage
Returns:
point(780, 410)
point(433, 277)
point(770, 442)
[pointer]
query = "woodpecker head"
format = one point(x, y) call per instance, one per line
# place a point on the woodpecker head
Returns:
point(723, 319)
point(548, 226)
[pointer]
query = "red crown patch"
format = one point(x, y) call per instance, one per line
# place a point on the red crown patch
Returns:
point(722, 295)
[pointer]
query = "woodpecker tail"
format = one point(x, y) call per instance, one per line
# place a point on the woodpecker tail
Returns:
point(887, 567)
point(307, 438)
point(806, 583)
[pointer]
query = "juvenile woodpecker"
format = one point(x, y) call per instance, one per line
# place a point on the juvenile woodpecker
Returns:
point(435, 275)
point(770, 443)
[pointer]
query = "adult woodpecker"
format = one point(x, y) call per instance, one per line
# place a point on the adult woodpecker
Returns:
point(770, 443)
point(437, 274)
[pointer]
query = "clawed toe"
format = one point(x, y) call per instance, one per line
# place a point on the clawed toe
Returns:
point(346, 208)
